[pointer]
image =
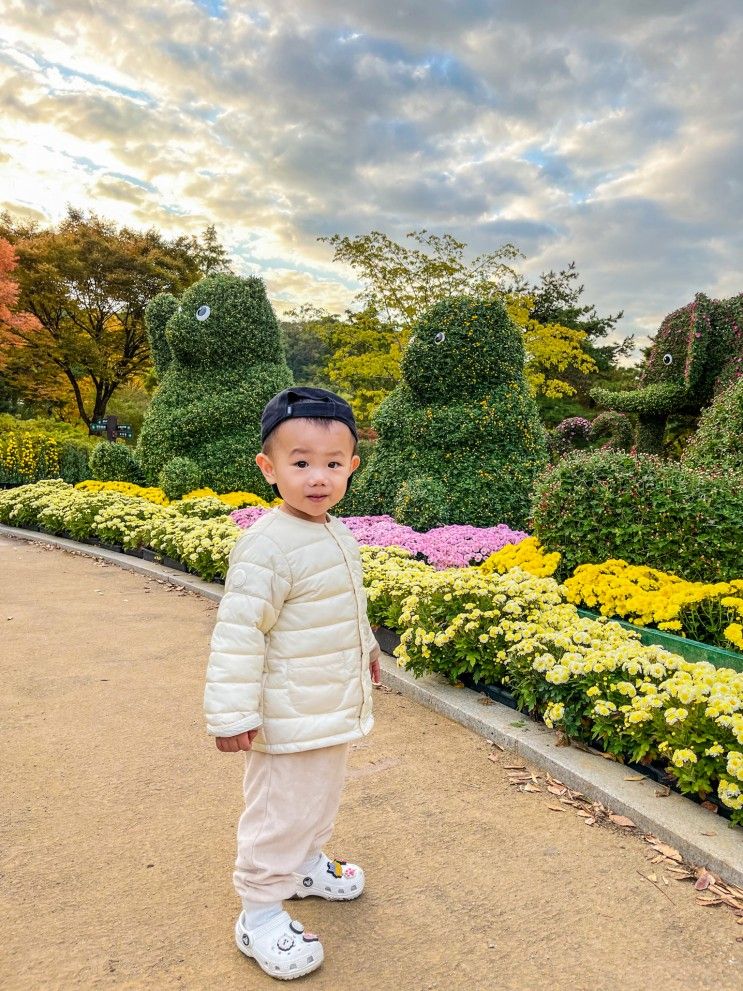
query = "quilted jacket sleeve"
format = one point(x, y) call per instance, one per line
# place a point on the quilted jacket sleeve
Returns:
point(257, 584)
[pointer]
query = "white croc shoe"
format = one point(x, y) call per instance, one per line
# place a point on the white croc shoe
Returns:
point(280, 946)
point(334, 880)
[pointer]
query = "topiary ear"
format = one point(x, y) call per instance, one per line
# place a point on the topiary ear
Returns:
point(698, 341)
point(157, 313)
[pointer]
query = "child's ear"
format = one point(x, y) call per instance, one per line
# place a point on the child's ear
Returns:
point(266, 466)
point(355, 462)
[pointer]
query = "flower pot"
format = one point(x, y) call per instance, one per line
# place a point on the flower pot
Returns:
point(494, 692)
point(147, 554)
point(387, 639)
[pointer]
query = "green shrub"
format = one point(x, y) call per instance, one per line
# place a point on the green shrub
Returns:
point(460, 439)
point(74, 462)
point(614, 429)
point(114, 463)
point(594, 506)
point(179, 476)
point(718, 443)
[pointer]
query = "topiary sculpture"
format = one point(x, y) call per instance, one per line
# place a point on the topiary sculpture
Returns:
point(219, 357)
point(697, 353)
point(460, 440)
point(718, 442)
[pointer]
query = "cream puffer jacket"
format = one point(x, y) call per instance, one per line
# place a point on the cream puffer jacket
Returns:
point(291, 647)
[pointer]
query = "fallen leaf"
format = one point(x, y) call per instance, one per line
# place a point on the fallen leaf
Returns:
point(485, 701)
point(622, 821)
point(562, 739)
point(635, 777)
point(708, 834)
point(531, 787)
point(614, 757)
point(515, 767)
point(663, 792)
point(708, 902)
point(703, 881)
point(652, 877)
point(556, 808)
point(710, 807)
point(668, 851)
point(589, 822)
point(493, 758)
point(554, 790)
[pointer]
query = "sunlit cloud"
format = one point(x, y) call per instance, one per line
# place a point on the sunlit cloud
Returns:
point(603, 133)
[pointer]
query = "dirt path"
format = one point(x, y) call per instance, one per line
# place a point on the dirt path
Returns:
point(118, 814)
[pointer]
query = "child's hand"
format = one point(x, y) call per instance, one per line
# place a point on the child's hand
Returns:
point(375, 668)
point(233, 744)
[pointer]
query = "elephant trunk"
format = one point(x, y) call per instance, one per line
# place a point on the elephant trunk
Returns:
point(656, 399)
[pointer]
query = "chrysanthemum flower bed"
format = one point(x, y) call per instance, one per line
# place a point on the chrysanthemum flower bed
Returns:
point(443, 547)
point(710, 612)
point(178, 530)
point(594, 679)
point(228, 500)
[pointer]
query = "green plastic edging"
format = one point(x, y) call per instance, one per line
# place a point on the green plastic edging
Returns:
point(690, 650)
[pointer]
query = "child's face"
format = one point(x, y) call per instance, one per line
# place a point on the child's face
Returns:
point(310, 464)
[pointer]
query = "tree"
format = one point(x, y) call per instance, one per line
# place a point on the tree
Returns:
point(357, 355)
point(364, 365)
point(87, 282)
point(404, 282)
point(17, 385)
point(210, 254)
point(306, 344)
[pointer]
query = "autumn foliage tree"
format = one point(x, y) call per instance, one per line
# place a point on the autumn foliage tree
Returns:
point(86, 283)
point(402, 281)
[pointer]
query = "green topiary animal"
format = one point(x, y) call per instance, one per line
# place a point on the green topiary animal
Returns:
point(219, 357)
point(718, 442)
point(460, 440)
point(697, 353)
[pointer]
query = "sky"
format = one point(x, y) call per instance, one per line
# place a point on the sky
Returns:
point(605, 133)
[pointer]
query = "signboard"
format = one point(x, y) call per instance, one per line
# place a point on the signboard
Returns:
point(111, 427)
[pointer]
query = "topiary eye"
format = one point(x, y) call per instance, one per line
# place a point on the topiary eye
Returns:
point(440, 337)
point(667, 359)
point(412, 338)
point(203, 313)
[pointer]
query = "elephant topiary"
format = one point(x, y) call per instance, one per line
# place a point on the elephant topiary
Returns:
point(460, 440)
point(697, 353)
point(718, 443)
point(219, 357)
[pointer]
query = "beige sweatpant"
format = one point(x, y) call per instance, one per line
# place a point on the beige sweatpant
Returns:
point(291, 801)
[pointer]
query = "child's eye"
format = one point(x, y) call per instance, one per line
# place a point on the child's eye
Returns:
point(335, 464)
point(300, 464)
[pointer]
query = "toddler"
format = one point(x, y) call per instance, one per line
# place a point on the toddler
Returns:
point(290, 677)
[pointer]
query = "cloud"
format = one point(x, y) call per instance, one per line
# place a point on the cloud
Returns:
point(590, 130)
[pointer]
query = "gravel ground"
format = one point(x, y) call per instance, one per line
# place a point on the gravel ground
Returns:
point(118, 816)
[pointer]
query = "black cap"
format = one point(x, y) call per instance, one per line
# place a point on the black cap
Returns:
point(310, 402)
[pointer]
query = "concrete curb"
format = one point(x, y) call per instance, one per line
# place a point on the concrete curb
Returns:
point(674, 820)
